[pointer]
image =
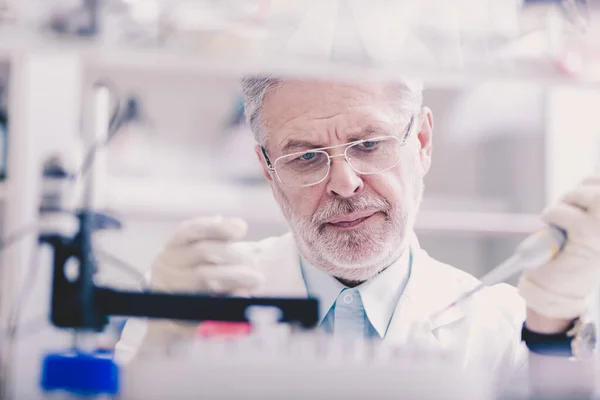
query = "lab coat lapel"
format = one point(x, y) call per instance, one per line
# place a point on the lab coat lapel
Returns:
point(282, 272)
point(426, 292)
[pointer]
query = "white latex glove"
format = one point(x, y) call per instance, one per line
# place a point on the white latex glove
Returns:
point(203, 256)
point(560, 288)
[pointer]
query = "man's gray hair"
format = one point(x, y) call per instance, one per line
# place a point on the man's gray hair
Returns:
point(254, 89)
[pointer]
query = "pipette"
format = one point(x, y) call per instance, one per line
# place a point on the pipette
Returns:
point(534, 251)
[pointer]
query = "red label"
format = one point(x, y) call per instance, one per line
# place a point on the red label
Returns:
point(220, 329)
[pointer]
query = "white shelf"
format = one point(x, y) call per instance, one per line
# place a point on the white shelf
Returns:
point(199, 60)
point(171, 200)
point(168, 199)
point(480, 223)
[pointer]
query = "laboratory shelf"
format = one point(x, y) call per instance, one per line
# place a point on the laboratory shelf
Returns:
point(152, 199)
point(167, 198)
point(480, 223)
point(200, 60)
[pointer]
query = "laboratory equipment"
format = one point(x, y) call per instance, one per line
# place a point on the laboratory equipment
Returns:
point(81, 374)
point(3, 132)
point(447, 57)
point(274, 362)
point(78, 303)
point(307, 368)
point(534, 251)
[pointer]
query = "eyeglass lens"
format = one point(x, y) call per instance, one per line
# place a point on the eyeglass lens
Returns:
point(310, 167)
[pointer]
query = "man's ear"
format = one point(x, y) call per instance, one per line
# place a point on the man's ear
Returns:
point(262, 161)
point(425, 137)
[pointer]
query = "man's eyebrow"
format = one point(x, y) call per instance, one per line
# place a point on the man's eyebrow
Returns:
point(369, 131)
point(295, 144)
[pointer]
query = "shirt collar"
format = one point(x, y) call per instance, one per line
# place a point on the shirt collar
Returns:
point(320, 285)
point(380, 294)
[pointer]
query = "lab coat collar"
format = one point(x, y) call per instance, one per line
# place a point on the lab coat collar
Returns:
point(281, 267)
point(429, 288)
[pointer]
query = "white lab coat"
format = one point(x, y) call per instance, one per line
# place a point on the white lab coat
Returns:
point(485, 331)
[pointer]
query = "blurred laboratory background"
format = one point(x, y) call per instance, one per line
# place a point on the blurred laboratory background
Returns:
point(513, 87)
point(182, 148)
point(191, 154)
point(507, 82)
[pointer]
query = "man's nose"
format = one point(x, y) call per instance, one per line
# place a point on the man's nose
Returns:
point(343, 180)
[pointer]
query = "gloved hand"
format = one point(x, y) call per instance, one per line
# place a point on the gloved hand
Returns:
point(203, 256)
point(560, 288)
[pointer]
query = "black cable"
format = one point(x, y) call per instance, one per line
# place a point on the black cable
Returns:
point(17, 236)
point(13, 318)
point(88, 160)
point(32, 325)
point(29, 283)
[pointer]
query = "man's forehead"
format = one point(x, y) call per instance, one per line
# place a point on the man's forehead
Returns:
point(291, 103)
point(308, 92)
point(301, 115)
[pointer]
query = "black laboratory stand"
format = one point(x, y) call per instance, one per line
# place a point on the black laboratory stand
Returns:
point(78, 303)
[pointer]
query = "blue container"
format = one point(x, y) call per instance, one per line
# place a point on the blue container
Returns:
point(80, 374)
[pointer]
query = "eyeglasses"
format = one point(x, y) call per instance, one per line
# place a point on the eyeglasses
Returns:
point(365, 157)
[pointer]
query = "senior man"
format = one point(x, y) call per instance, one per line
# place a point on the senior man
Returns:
point(346, 164)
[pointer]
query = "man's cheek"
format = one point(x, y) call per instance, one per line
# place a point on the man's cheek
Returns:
point(306, 202)
point(388, 186)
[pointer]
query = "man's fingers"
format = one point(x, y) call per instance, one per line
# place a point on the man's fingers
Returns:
point(212, 253)
point(213, 228)
point(593, 179)
point(586, 197)
point(213, 279)
point(164, 330)
point(233, 278)
point(564, 215)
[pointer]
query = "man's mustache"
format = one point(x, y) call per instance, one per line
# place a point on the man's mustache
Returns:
point(340, 206)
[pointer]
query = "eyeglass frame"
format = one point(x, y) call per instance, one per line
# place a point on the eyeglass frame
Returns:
point(271, 166)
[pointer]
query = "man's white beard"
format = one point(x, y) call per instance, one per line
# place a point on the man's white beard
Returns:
point(359, 254)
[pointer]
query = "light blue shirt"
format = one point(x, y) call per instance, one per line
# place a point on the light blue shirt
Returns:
point(363, 311)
